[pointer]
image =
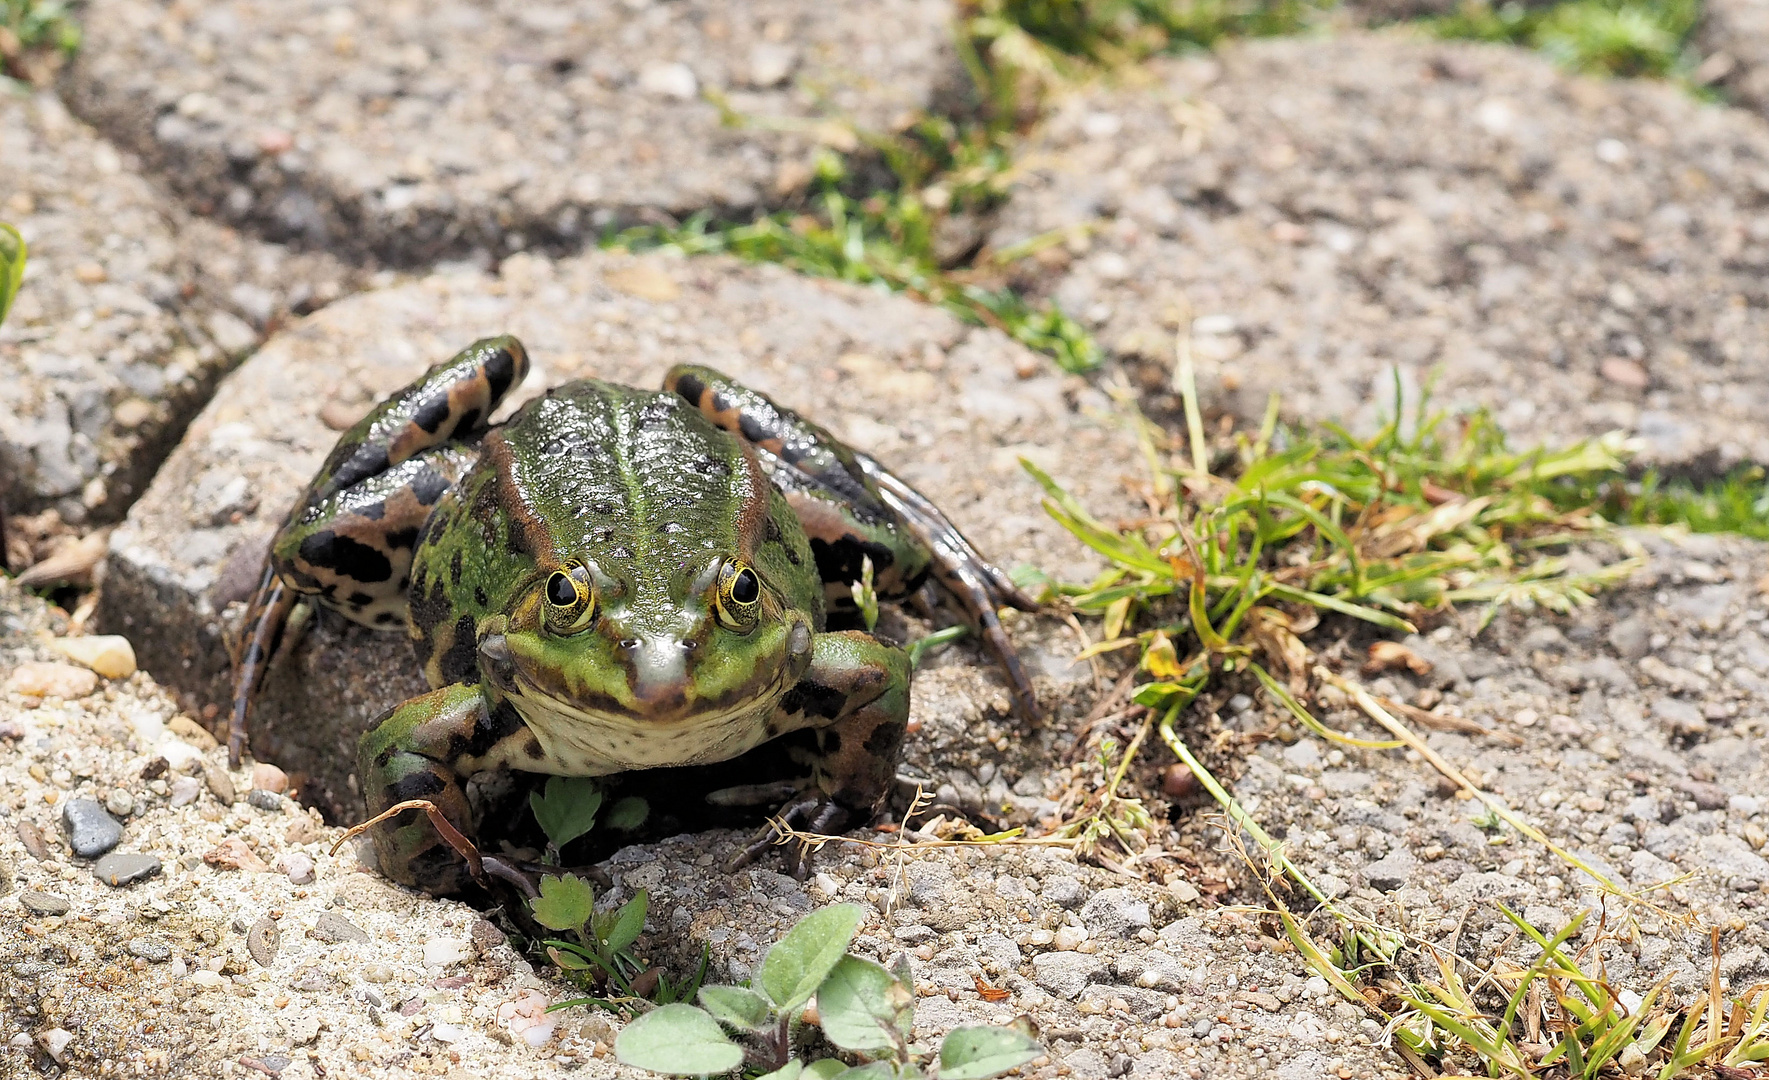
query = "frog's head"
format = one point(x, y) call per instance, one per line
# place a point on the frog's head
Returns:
point(670, 645)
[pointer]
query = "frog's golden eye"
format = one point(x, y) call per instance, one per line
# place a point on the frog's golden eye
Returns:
point(739, 598)
point(571, 600)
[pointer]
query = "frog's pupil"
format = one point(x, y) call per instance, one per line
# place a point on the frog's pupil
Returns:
point(561, 591)
point(745, 588)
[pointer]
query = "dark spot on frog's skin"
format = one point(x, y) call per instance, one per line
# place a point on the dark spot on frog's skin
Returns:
point(814, 699)
point(385, 618)
point(418, 785)
point(428, 486)
point(500, 371)
point(884, 740)
point(454, 568)
point(374, 511)
point(460, 664)
point(830, 740)
point(360, 600)
point(432, 413)
point(690, 387)
point(752, 429)
point(842, 560)
point(500, 724)
point(429, 609)
point(346, 557)
point(479, 596)
point(468, 421)
point(403, 538)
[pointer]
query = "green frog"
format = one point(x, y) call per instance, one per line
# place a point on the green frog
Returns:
point(613, 579)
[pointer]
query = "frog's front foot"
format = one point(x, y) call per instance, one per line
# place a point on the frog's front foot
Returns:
point(811, 811)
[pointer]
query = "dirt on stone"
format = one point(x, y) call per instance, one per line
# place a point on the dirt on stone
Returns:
point(1576, 256)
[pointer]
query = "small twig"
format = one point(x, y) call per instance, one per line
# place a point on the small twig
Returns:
point(463, 846)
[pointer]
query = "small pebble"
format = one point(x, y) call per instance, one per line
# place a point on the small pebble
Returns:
point(265, 800)
point(155, 769)
point(298, 866)
point(486, 935)
point(208, 980)
point(32, 838)
point(263, 940)
point(1069, 938)
point(1177, 782)
point(65, 681)
point(233, 854)
point(377, 973)
point(335, 928)
point(185, 790)
point(267, 777)
point(56, 1041)
point(108, 654)
point(91, 831)
point(153, 950)
point(42, 903)
point(118, 870)
point(220, 784)
point(440, 951)
point(119, 803)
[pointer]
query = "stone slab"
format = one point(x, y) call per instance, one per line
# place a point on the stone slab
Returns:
point(930, 396)
point(410, 130)
point(130, 312)
point(1578, 256)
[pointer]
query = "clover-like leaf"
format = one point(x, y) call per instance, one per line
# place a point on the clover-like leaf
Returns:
point(799, 962)
point(629, 921)
point(872, 1070)
point(680, 1040)
point(979, 1053)
point(794, 1069)
point(737, 1007)
point(567, 808)
point(627, 814)
point(12, 266)
point(861, 1006)
point(565, 903)
point(568, 960)
point(825, 1069)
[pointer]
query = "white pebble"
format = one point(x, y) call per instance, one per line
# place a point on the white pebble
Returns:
point(538, 1035)
point(447, 1033)
point(298, 866)
point(56, 1040)
point(1069, 937)
point(108, 654)
point(208, 980)
point(185, 790)
point(441, 951)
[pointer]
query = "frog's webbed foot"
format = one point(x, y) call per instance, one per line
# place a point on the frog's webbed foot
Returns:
point(811, 811)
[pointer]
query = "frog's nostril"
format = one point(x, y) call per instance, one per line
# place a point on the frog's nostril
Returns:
point(630, 644)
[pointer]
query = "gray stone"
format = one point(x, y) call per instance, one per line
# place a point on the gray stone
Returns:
point(91, 831)
point(413, 130)
point(265, 800)
point(104, 357)
point(931, 397)
point(153, 950)
point(333, 927)
point(1316, 212)
point(118, 870)
point(1731, 857)
point(1066, 974)
point(1631, 637)
point(1152, 968)
point(1391, 871)
point(1115, 913)
point(42, 903)
point(1064, 892)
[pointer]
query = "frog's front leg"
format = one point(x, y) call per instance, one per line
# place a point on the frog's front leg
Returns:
point(426, 748)
point(855, 699)
point(348, 542)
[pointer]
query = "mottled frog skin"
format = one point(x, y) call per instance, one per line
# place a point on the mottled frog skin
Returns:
point(614, 579)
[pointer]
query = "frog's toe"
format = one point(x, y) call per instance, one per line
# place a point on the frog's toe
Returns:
point(809, 812)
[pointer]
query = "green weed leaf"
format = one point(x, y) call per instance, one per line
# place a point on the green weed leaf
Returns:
point(792, 1070)
point(861, 1006)
point(12, 266)
point(799, 962)
point(679, 1040)
point(567, 809)
point(737, 1007)
point(627, 814)
point(566, 956)
point(629, 922)
point(565, 903)
point(978, 1053)
point(826, 1069)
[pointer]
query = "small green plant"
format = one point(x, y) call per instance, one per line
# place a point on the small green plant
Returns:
point(1606, 37)
point(601, 954)
point(568, 806)
point(35, 37)
point(862, 1008)
point(12, 266)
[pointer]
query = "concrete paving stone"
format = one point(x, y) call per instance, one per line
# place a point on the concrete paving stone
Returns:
point(928, 395)
point(410, 130)
point(1577, 256)
point(130, 312)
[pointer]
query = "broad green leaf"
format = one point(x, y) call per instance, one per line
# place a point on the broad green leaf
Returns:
point(799, 962)
point(629, 922)
point(12, 266)
point(792, 1070)
point(736, 1006)
point(978, 1053)
point(567, 809)
point(825, 1069)
point(861, 1006)
point(565, 903)
point(872, 1070)
point(679, 1040)
point(627, 814)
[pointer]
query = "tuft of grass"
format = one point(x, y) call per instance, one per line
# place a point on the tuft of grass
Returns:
point(36, 37)
point(1600, 37)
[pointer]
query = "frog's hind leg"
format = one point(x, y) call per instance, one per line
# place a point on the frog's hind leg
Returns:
point(853, 508)
point(348, 543)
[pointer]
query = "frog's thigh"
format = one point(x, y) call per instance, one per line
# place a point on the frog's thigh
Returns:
point(841, 510)
point(425, 748)
point(855, 696)
point(353, 550)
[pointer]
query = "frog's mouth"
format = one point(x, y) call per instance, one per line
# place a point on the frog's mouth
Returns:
point(585, 741)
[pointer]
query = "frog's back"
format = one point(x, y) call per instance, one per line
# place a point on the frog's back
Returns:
point(636, 482)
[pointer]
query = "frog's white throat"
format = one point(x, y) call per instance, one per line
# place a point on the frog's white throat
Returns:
point(579, 742)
